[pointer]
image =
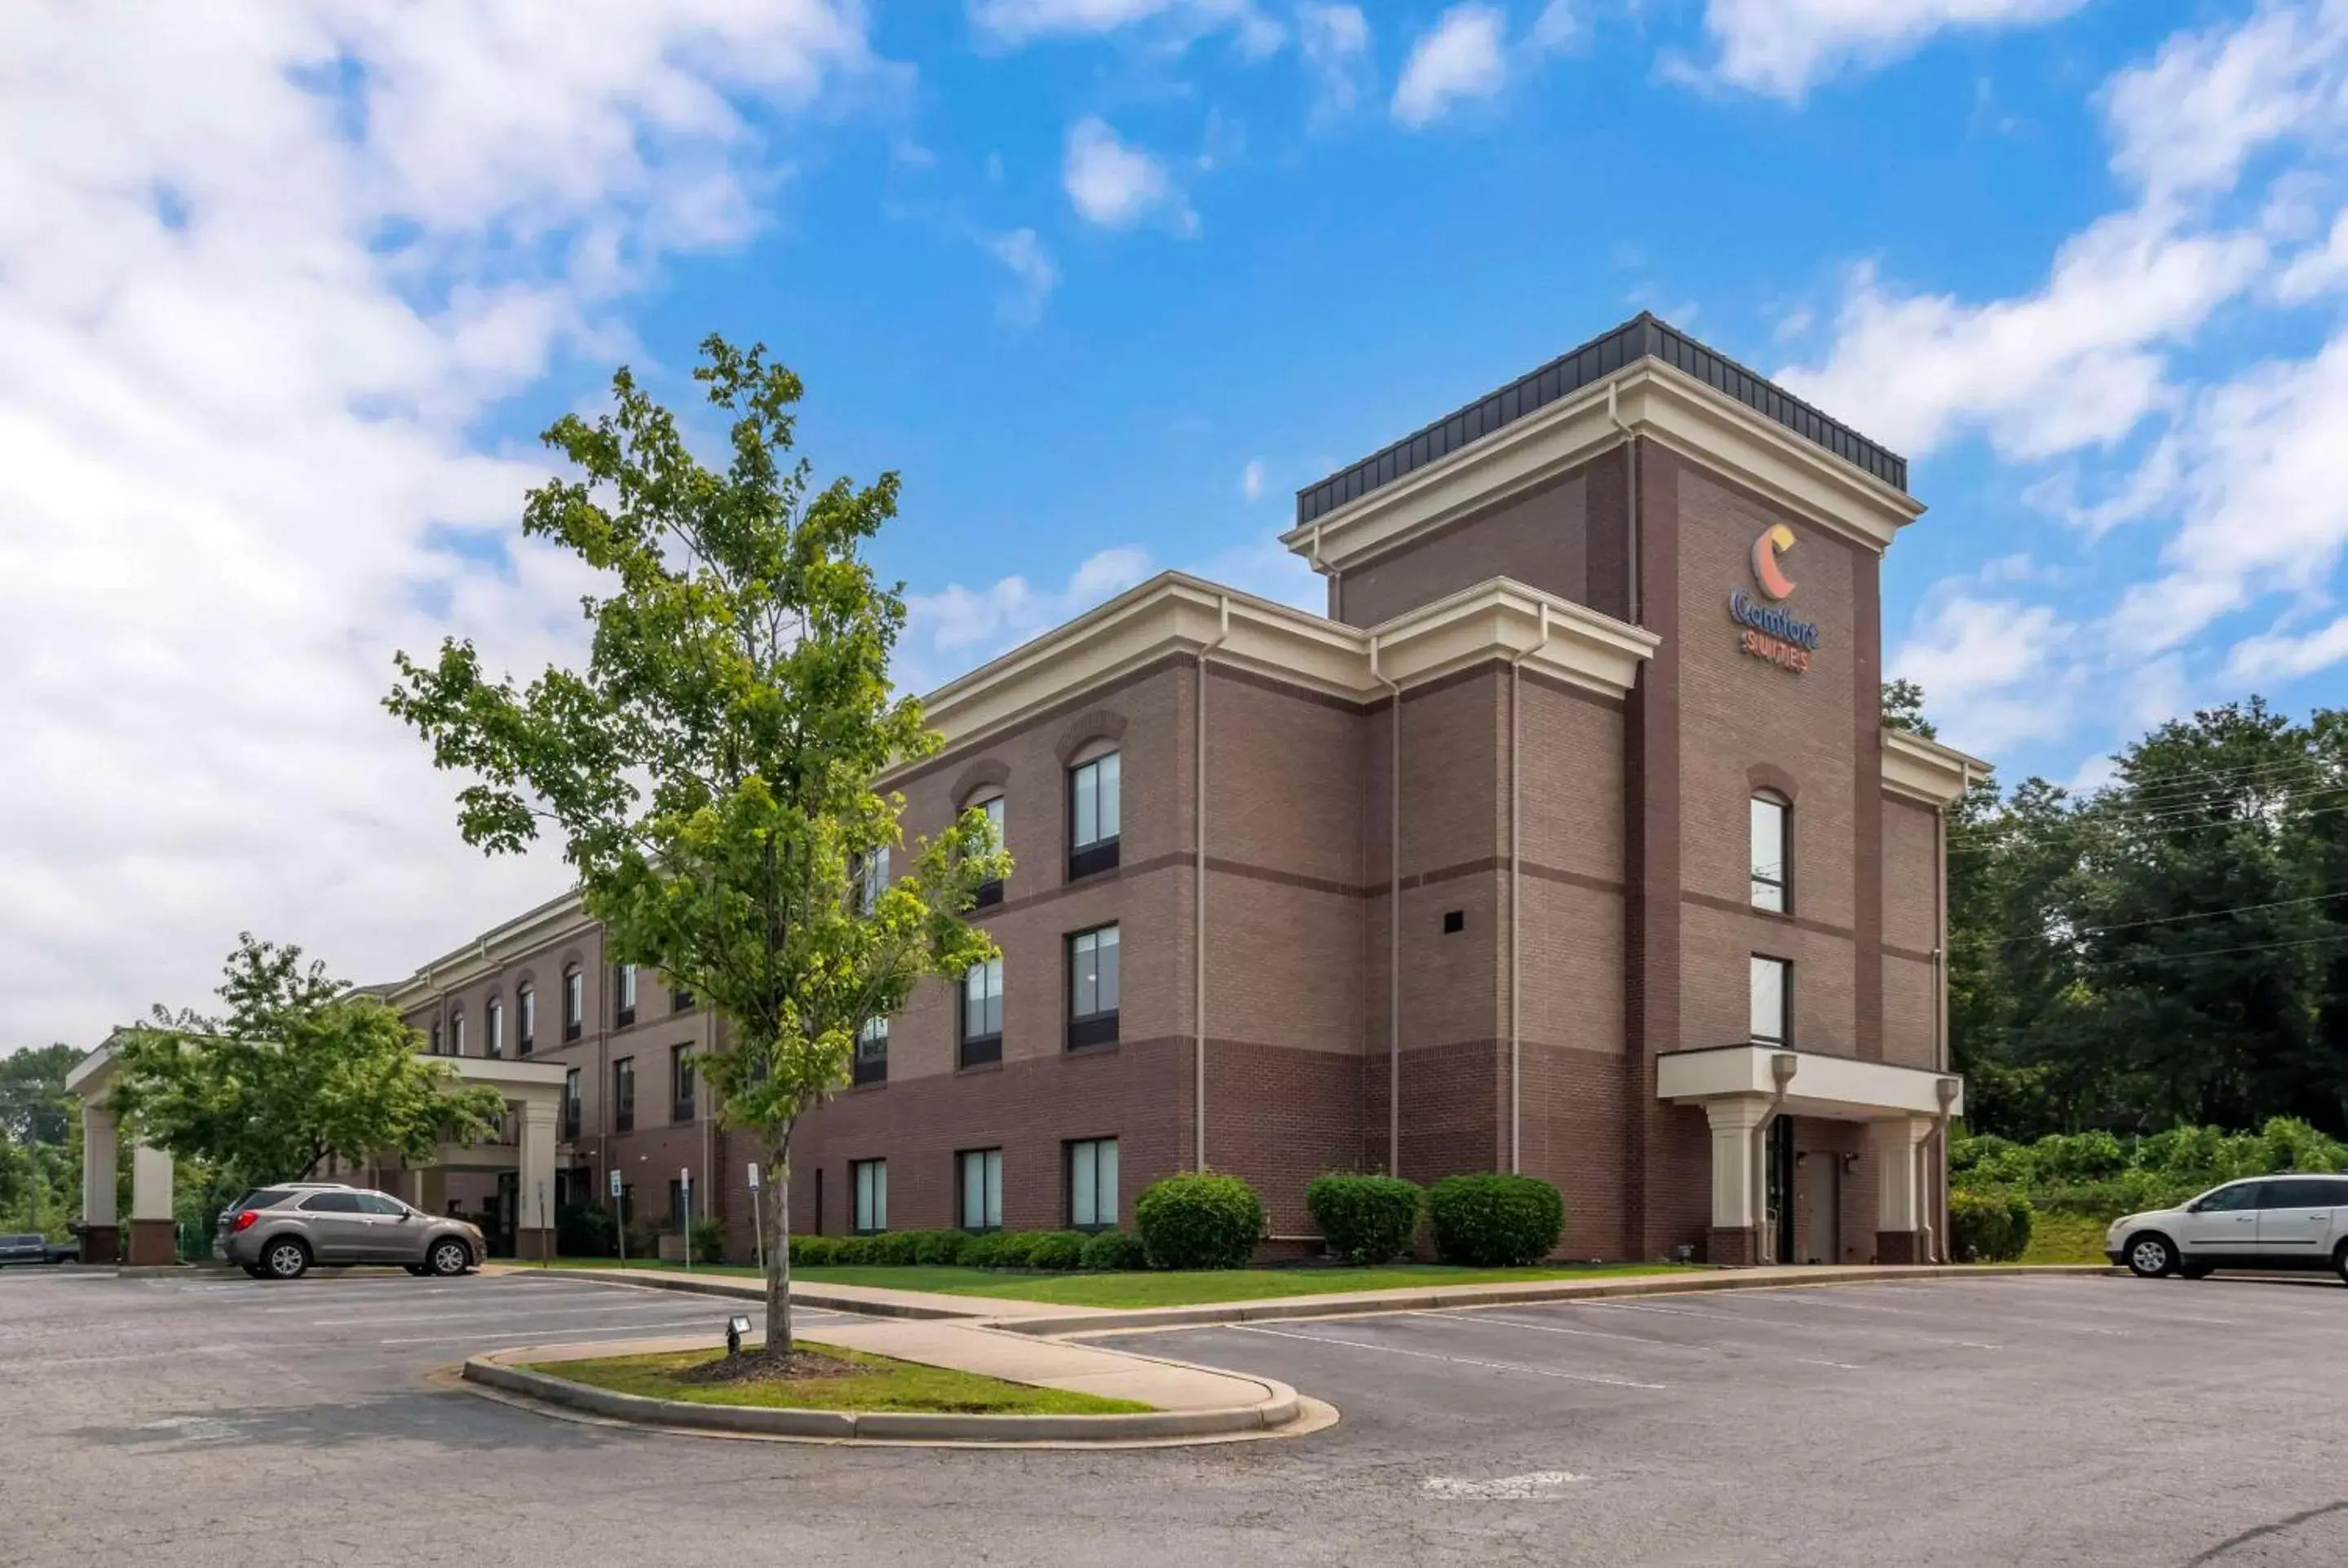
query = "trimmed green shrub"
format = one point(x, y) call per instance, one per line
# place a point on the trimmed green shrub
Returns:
point(984, 1250)
point(586, 1230)
point(1017, 1249)
point(814, 1251)
point(941, 1248)
point(708, 1241)
point(1198, 1220)
point(1495, 1221)
point(1114, 1250)
point(1058, 1250)
point(1988, 1228)
point(1365, 1220)
point(851, 1251)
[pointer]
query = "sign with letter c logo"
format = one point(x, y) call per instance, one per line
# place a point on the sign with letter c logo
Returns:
point(1773, 542)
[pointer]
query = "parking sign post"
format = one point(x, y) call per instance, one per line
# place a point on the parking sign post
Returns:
point(757, 1217)
point(685, 1181)
point(619, 1219)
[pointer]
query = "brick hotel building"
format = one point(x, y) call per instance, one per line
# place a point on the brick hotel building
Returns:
point(1569, 841)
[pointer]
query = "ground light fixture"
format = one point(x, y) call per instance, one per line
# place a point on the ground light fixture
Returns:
point(735, 1326)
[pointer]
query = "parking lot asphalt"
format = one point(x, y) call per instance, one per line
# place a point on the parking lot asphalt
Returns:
point(210, 1419)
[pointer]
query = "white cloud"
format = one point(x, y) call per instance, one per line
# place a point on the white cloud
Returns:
point(1252, 478)
point(1335, 43)
point(1016, 21)
point(957, 629)
point(2190, 119)
point(1986, 666)
point(1117, 185)
point(261, 269)
point(2317, 271)
point(2077, 362)
point(1032, 270)
point(2281, 655)
point(1784, 48)
point(1559, 27)
point(1459, 58)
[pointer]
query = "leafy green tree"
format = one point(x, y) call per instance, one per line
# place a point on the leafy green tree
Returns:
point(1903, 709)
point(34, 1105)
point(711, 770)
point(299, 1068)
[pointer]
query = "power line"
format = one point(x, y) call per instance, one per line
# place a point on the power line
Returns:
point(2216, 952)
point(2086, 931)
point(1978, 839)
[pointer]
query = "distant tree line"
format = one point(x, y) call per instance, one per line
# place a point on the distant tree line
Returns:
point(2167, 949)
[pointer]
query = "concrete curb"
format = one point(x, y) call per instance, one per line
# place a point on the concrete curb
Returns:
point(749, 1290)
point(1276, 1309)
point(496, 1370)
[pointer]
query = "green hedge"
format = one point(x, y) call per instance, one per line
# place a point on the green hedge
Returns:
point(1198, 1220)
point(1365, 1220)
point(1988, 1228)
point(1495, 1221)
point(2100, 1174)
point(1115, 1250)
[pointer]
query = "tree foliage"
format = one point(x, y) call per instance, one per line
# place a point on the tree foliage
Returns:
point(297, 1069)
point(2167, 949)
point(710, 770)
point(34, 1105)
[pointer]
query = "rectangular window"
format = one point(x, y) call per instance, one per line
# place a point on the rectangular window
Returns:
point(680, 999)
point(871, 880)
point(1769, 814)
point(982, 1013)
point(574, 1003)
point(1092, 1185)
point(456, 1035)
point(1094, 815)
point(571, 1104)
point(870, 1179)
point(525, 1020)
point(676, 1203)
point(992, 892)
point(873, 1052)
point(1092, 987)
point(493, 1021)
point(435, 1039)
point(1772, 997)
point(623, 994)
point(623, 1095)
point(982, 1189)
point(680, 1084)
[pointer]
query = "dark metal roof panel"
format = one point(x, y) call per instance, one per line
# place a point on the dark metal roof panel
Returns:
point(1642, 337)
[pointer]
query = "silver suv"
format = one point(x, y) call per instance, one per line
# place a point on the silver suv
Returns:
point(277, 1232)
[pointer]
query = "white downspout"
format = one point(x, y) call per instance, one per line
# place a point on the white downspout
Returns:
point(1516, 946)
point(1393, 918)
point(1783, 1065)
point(1198, 908)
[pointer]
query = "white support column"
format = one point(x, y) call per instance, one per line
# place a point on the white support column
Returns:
point(1893, 1144)
point(154, 1240)
point(534, 1204)
point(1735, 1206)
point(98, 1167)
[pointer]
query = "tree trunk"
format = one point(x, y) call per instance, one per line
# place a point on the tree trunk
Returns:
point(777, 1222)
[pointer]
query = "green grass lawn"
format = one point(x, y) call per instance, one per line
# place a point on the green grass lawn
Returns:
point(886, 1385)
point(2066, 1238)
point(1170, 1288)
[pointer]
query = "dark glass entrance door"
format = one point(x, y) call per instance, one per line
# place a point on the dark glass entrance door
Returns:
point(1779, 1166)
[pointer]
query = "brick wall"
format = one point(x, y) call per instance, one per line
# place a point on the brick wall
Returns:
point(1540, 538)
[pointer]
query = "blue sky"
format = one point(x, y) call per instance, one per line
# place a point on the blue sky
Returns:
point(286, 294)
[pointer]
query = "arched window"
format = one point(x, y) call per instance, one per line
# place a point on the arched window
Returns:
point(525, 1018)
point(1772, 846)
point(574, 1002)
point(493, 1027)
point(989, 799)
point(457, 1033)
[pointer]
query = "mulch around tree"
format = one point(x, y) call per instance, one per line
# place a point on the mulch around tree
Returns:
point(758, 1367)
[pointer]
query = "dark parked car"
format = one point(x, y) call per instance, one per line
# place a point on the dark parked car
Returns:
point(32, 1247)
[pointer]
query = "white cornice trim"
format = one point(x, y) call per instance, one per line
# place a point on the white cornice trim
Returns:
point(491, 950)
point(1176, 613)
point(1648, 398)
point(1927, 771)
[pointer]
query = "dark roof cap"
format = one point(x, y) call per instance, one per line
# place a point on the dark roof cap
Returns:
point(1645, 336)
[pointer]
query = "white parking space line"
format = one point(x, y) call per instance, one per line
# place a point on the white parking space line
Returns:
point(509, 1313)
point(1455, 1361)
point(1469, 1315)
point(526, 1332)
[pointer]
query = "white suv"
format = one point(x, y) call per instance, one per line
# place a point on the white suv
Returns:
point(2267, 1221)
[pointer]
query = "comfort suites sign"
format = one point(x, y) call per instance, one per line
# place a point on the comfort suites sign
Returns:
point(1770, 632)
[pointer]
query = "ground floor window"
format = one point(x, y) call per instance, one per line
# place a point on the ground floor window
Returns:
point(870, 1178)
point(1092, 1185)
point(982, 1189)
